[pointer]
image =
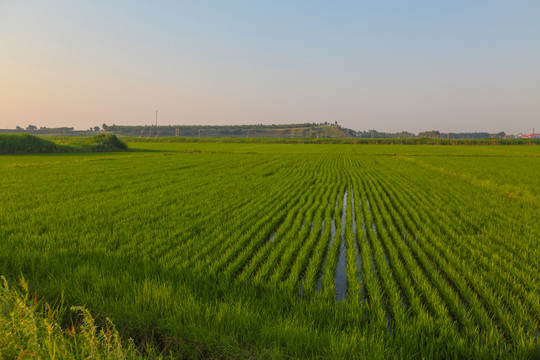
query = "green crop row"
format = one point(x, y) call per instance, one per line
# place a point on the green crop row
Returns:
point(321, 251)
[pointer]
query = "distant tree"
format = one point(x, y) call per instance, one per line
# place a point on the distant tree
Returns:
point(429, 134)
point(96, 128)
point(18, 128)
point(104, 127)
point(31, 127)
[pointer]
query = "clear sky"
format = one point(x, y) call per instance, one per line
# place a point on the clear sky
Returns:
point(471, 65)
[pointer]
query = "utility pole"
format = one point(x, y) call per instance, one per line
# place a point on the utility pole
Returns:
point(156, 118)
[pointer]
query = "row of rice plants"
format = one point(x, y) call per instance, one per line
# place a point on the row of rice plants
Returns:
point(448, 252)
point(250, 229)
point(447, 293)
point(294, 259)
point(451, 275)
point(269, 270)
point(300, 279)
point(286, 212)
point(442, 299)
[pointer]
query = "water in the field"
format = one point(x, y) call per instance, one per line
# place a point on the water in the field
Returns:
point(340, 281)
point(353, 216)
point(357, 250)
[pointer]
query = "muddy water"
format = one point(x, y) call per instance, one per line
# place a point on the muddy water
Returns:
point(340, 280)
point(357, 250)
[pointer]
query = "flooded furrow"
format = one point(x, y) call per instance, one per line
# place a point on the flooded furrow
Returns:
point(340, 277)
point(357, 250)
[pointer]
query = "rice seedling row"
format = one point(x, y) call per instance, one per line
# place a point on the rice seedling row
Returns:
point(332, 251)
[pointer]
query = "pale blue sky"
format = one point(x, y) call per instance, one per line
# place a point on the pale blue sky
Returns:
point(385, 65)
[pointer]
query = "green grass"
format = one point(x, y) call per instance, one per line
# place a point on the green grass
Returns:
point(227, 250)
point(30, 144)
point(511, 151)
point(331, 137)
point(30, 328)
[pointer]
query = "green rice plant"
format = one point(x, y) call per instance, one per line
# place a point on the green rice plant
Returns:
point(472, 300)
point(227, 250)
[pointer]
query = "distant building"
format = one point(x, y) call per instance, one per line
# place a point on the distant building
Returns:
point(531, 136)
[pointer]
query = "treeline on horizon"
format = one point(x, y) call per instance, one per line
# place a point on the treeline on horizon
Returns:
point(304, 130)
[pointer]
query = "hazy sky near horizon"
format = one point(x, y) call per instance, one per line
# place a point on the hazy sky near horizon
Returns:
point(384, 65)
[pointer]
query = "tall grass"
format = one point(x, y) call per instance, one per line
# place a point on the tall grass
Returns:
point(30, 328)
point(30, 144)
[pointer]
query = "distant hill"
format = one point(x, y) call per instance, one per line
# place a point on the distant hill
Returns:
point(281, 131)
point(231, 131)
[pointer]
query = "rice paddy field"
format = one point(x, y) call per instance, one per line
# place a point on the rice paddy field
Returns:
point(224, 250)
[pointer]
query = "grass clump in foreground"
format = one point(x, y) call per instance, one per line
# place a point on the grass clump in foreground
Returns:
point(101, 142)
point(30, 328)
point(30, 144)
